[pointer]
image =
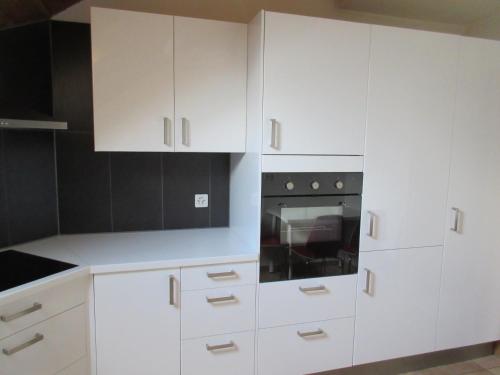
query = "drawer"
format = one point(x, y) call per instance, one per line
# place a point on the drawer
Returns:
point(219, 275)
point(226, 354)
point(217, 311)
point(49, 346)
point(307, 300)
point(306, 348)
point(79, 368)
point(35, 308)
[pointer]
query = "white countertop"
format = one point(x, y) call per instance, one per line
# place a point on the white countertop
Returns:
point(135, 251)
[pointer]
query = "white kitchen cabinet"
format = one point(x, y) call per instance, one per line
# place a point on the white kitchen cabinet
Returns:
point(315, 75)
point(133, 80)
point(137, 317)
point(135, 76)
point(305, 348)
point(408, 138)
point(397, 303)
point(210, 85)
point(470, 292)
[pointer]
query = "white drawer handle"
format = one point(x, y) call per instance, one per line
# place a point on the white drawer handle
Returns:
point(318, 332)
point(38, 337)
point(7, 318)
point(230, 298)
point(230, 345)
point(222, 275)
point(312, 289)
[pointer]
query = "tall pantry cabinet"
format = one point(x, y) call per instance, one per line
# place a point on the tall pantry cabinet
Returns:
point(469, 311)
point(411, 95)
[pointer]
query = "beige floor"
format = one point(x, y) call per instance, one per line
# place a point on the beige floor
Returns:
point(480, 366)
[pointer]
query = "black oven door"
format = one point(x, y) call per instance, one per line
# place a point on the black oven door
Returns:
point(309, 236)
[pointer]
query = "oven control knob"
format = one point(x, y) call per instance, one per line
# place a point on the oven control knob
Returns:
point(289, 186)
point(315, 185)
point(339, 185)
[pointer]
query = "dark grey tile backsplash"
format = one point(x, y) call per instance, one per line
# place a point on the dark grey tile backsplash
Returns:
point(29, 185)
point(47, 184)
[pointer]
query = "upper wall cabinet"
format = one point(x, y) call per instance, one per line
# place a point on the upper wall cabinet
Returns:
point(133, 76)
point(408, 136)
point(134, 71)
point(469, 310)
point(315, 85)
point(210, 85)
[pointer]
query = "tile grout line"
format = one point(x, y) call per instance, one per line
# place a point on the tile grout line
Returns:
point(110, 194)
point(56, 176)
point(4, 182)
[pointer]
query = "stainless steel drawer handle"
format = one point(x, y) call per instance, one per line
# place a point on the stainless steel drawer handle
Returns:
point(185, 132)
point(312, 289)
point(167, 131)
point(7, 318)
point(371, 224)
point(38, 337)
point(222, 275)
point(318, 332)
point(368, 282)
point(229, 345)
point(230, 298)
point(275, 134)
point(455, 226)
point(171, 285)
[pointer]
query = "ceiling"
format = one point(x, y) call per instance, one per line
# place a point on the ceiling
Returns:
point(16, 12)
point(460, 12)
point(470, 17)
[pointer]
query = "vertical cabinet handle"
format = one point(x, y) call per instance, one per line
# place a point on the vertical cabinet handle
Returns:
point(275, 134)
point(171, 284)
point(456, 219)
point(371, 224)
point(185, 132)
point(167, 131)
point(368, 282)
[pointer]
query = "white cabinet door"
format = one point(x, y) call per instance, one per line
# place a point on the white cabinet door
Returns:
point(137, 323)
point(470, 293)
point(132, 67)
point(408, 137)
point(315, 75)
point(210, 85)
point(398, 317)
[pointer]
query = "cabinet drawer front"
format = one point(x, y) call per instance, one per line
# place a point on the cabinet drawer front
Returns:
point(218, 311)
point(226, 354)
point(40, 306)
point(306, 348)
point(220, 275)
point(307, 300)
point(47, 347)
point(79, 368)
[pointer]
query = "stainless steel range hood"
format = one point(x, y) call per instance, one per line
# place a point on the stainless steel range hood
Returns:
point(27, 78)
point(32, 124)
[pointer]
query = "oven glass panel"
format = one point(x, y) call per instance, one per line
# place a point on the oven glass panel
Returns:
point(309, 236)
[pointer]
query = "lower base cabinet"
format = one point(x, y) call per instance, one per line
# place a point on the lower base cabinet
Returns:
point(222, 355)
point(47, 347)
point(137, 316)
point(305, 348)
point(397, 303)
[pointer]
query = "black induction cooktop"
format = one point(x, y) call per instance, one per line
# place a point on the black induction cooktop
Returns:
point(17, 268)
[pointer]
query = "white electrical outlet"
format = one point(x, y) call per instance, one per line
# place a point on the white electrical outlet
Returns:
point(201, 200)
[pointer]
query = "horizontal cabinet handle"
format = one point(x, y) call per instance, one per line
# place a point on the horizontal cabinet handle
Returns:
point(318, 332)
point(229, 345)
point(7, 318)
point(222, 275)
point(38, 337)
point(312, 289)
point(230, 298)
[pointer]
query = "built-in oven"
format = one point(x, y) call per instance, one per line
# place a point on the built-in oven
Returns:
point(310, 225)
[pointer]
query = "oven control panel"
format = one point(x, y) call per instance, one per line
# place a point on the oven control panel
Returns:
point(330, 183)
